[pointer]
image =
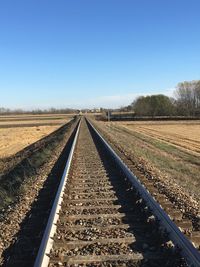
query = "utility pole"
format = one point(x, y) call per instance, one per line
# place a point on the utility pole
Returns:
point(108, 115)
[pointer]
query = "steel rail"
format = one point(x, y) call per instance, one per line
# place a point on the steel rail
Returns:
point(42, 259)
point(189, 252)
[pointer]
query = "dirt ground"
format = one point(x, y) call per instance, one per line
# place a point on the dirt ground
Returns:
point(13, 140)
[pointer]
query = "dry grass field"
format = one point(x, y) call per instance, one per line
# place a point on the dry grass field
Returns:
point(170, 149)
point(17, 132)
point(15, 139)
point(183, 134)
point(30, 116)
point(32, 120)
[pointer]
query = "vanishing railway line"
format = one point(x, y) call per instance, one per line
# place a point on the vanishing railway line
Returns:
point(102, 215)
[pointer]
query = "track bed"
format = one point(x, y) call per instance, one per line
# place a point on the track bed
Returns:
point(102, 221)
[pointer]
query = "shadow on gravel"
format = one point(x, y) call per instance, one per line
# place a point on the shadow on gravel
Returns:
point(23, 252)
point(148, 241)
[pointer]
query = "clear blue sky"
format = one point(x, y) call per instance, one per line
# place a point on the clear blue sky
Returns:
point(87, 53)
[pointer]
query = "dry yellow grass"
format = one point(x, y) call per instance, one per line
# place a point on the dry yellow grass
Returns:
point(19, 131)
point(29, 116)
point(15, 139)
point(34, 119)
point(168, 149)
point(32, 122)
point(183, 134)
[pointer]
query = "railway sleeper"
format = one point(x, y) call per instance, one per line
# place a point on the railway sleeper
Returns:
point(175, 215)
point(134, 258)
point(195, 238)
point(89, 204)
point(97, 183)
point(89, 200)
point(128, 216)
point(185, 225)
point(94, 186)
point(94, 207)
point(106, 227)
point(100, 241)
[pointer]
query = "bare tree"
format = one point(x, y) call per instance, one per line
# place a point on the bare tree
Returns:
point(188, 98)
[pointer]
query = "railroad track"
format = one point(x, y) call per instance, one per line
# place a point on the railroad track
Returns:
point(102, 220)
point(103, 216)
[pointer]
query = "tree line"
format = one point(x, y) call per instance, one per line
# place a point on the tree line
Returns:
point(7, 111)
point(186, 102)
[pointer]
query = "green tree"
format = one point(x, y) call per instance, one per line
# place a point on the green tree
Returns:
point(154, 105)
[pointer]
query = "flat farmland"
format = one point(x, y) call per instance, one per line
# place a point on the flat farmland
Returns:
point(17, 132)
point(169, 150)
point(15, 139)
point(33, 120)
point(183, 134)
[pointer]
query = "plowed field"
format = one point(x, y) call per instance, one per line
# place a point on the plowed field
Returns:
point(185, 135)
